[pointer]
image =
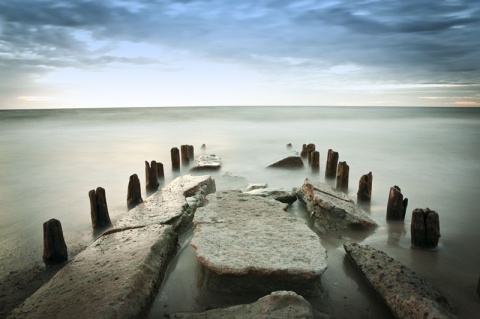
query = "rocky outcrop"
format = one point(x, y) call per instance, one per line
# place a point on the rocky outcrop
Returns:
point(278, 194)
point(288, 162)
point(249, 243)
point(174, 204)
point(406, 294)
point(279, 304)
point(207, 162)
point(331, 210)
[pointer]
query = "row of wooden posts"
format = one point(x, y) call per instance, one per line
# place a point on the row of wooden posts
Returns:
point(425, 225)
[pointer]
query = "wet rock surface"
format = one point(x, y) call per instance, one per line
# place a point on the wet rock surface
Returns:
point(332, 210)
point(279, 304)
point(407, 294)
point(249, 243)
point(278, 194)
point(207, 162)
point(288, 162)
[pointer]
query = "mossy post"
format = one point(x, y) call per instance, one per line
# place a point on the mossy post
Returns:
point(364, 193)
point(315, 162)
point(331, 167)
point(397, 206)
point(134, 195)
point(151, 176)
point(54, 247)
point(425, 228)
point(98, 208)
point(342, 176)
point(175, 156)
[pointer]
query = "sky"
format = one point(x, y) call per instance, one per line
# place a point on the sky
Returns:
point(118, 53)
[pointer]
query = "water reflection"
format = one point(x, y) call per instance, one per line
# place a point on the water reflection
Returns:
point(396, 232)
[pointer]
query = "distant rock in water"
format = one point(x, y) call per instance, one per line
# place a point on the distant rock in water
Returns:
point(288, 162)
point(252, 186)
point(207, 162)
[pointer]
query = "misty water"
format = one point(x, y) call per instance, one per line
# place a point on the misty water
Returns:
point(50, 159)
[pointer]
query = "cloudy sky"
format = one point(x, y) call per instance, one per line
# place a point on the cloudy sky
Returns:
point(81, 53)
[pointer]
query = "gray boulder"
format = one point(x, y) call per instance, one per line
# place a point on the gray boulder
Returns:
point(249, 243)
point(408, 295)
point(279, 304)
point(288, 162)
point(278, 194)
point(207, 162)
point(332, 210)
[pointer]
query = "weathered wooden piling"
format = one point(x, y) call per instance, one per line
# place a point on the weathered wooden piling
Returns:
point(203, 147)
point(364, 193)
point(151, 176)
point(342, 176)
point(303, 153)
point(310, 149)
point(478, 286)
point(54, 247)
point(184, 154)
point(175, 156)
point(134, 195)
point(98, 208)
point(289, 146)
point(331, 167)
point(160, 171)
point(315, 161)
point(397, 205)
point(425, 228)
point(191, 152)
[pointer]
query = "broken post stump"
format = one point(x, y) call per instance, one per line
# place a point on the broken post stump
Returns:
point(478, 286)
point(342, 176)
point(364, 193)
point(175, 156)
point(184, 155)
point(191, 153)
point(397, 206)
point(160, 171)
point(98, 208)
point(425, 228)
point(151, 176)
point(134, 195)
point(331, 167)
point(203, 147)
point(54, 247)
point(315, 161)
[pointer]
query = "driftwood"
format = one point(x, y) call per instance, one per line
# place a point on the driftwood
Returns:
point(425, 228)
point(98, 208)
point(397, 206)
point(54, 247)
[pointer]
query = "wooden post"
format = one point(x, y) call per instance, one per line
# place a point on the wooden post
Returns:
point(397, 206)
point(98, 208)
point(310, 150)
point(160, 171)
point(425, 228)
point(478, 286)
point(315, 161)
point(342, 176)
point(184, 154)
point(175, 155)
point(331, 167)
point(364, 193)
point(134, 195)
point(203, 147)
point(151, 176)
point(289, 146)
point(303, 153)
point(54, 247)
point(191, 153)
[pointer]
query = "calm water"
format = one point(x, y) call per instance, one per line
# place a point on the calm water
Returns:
point(49, 160)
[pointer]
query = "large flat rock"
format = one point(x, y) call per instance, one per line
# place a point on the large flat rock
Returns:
point(279, 304)
point(248, 243)
point(278, 194)
point(407, 294)
point(115, 277)
point(332, 210)
point(288, 162)
point(207, 162)
point(174, 204)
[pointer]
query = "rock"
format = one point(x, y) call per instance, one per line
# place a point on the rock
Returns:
point(117, 276)
point(278, 194)
point(330, 209)
point(134, 194)
point(406, 294)
point(279, 304)
point(425, 228)
point(54, 247)
point(288, 162)
point(396, 206)
point(289, 146)
point(364, 193)
point(207, 162)
point(169, 205)
point(248, 243)
point(252, 186)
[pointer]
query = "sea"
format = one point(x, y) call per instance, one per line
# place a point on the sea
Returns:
point(50, 159)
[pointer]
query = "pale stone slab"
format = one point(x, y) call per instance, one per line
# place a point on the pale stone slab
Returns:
point(252, 186)
point(288, 162)
point(207, 162)
point(407, 294)
point(279, 304)
point(249, 242)
point(332, 210)
point(174, 204)
point(278, 194)
point(115, 277)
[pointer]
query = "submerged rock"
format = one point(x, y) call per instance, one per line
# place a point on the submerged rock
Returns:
point(288, 162)
point(252, 186)
point(279, 304)
point(249, 243)
point(332, 210)
point(207, 162)
point(278, 194)
point(406, 294)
